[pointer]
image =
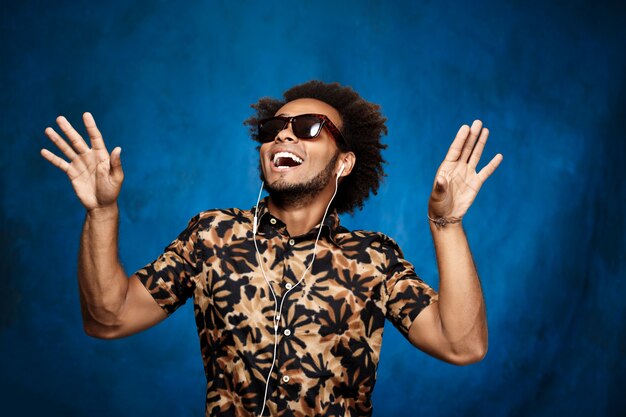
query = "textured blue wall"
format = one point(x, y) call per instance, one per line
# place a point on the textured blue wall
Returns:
point(171, 82)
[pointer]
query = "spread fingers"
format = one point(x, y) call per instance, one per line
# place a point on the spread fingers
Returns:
point(490, 168)
point(60, 143)
point(478, 149)
point(94, 133)
point(76, 140)
point(55, 160)
point(457, 145)
point(471, 140)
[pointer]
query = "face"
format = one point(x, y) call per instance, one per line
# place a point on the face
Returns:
point(300, 168)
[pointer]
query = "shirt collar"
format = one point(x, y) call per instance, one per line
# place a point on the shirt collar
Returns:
point(330, 226)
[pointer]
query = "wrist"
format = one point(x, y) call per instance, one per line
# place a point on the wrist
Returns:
point(440, 222)
point(103, 213)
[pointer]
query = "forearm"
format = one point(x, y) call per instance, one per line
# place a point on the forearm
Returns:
point(103, 284)
point(461, 302)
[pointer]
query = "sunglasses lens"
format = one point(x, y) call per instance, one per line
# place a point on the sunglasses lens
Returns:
point(306, 127)
point(270, 128)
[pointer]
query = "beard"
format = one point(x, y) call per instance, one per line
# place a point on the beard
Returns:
point(301, 194)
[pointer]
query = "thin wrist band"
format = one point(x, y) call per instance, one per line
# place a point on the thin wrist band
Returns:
point(442, 221)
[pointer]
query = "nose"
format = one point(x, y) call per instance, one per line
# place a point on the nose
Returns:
point(286, 135)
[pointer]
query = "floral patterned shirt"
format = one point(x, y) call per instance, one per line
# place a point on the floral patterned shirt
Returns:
point(331, 327)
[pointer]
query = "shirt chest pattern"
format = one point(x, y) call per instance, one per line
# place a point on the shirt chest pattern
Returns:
point(329, 331)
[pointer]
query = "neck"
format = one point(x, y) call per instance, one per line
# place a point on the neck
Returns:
point(303, 215)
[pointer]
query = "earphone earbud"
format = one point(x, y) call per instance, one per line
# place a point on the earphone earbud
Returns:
point(343, 166)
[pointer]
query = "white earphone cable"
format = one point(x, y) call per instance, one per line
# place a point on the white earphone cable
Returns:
point(278, 309)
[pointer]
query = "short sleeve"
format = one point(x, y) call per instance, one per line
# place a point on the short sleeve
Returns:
point(170, 277)
point(407, 294)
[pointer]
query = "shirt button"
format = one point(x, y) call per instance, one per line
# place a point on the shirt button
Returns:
point(286, 378)
point(288, 285)
point(292, 242)
point(287, 332)
point(273, 220)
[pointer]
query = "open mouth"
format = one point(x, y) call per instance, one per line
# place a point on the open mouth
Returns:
point(285, 160)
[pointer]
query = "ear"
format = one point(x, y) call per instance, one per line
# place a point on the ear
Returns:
point(348, 159)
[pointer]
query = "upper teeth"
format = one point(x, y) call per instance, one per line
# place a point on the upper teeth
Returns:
point(286, 155)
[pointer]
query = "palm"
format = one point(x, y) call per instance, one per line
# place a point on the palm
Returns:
point(457, 183)
point(95, 175)
point(93, 186)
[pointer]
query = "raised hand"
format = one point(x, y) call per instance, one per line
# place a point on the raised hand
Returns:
point(96, 175)
point(457, 183)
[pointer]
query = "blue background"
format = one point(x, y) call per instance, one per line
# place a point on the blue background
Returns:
point(171, 82)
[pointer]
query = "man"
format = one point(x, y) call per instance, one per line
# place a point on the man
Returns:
point(289, 305)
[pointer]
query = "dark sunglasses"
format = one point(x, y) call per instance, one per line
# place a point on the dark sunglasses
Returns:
point(304, 126)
